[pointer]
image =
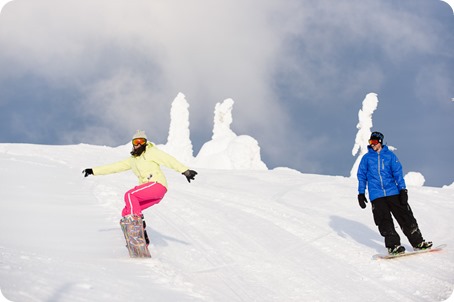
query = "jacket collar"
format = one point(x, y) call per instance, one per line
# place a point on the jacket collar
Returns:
point(384, 148)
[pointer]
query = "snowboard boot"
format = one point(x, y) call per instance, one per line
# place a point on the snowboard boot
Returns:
point(147, 240)
point(396, 250)
point(423, 246)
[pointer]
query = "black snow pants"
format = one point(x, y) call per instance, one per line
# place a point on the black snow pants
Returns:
point(382, 209)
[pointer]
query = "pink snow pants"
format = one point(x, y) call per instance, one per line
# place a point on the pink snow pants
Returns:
point(142, 197)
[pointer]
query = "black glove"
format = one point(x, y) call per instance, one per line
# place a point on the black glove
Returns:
point(190, 174)
point(403, 197)
point(87, 172)
point(362, 200)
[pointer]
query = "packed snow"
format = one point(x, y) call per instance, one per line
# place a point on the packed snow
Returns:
point(230, 235)
point(236, 233)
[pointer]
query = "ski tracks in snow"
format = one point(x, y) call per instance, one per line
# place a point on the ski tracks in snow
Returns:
point(229, 245)
point(213, 244)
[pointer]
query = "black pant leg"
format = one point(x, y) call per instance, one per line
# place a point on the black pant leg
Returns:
point(383, 219)
point(145, 234)
point(406, 220)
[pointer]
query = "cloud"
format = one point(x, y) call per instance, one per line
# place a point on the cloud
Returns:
point(434, 83)
point(297, 70)
point(210, 51)
point(341, 42)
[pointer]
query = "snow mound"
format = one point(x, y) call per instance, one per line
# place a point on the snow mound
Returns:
point(226, 150)
point(237, 153)
point(414, 179)
point(451, 186)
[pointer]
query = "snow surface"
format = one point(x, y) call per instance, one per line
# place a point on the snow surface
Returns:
point(231, 235)
point(3, 3)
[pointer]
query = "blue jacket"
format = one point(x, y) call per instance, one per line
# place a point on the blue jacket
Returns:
point(381, 172)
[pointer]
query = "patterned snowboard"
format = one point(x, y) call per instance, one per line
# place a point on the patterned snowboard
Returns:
point(132, 227)
point(431, 250)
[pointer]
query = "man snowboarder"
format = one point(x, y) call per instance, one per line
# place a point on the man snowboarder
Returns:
point(145, 162)
point(381, 171)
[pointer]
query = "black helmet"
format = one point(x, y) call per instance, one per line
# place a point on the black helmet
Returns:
point(378, 136)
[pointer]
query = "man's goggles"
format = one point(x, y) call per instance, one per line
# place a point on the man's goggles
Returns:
point(139, 141)
point(373, 142)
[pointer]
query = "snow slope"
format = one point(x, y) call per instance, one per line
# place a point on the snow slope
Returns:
point(241, 235)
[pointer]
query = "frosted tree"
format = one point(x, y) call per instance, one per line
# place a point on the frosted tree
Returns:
point(178, 142)
point(223, 119)
point(370, 103)
point(226, 150)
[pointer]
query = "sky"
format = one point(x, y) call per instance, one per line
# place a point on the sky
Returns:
point(297, 70)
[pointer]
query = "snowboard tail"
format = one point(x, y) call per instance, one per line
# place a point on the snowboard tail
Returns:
point(132, 227)
point(431, 250)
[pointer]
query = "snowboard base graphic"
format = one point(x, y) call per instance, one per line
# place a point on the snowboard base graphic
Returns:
point(132, 227)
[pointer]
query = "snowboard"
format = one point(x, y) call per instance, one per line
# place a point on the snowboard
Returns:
point(431, 250)
point(132, 227)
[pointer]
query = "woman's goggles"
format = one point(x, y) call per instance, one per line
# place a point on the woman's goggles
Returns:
point(139, 141)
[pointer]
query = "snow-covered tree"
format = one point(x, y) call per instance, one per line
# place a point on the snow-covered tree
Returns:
point(178, 142)
point(223, 119)
point(226, 150)
point(364, 125)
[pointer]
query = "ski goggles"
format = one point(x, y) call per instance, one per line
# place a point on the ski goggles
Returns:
point(139, 141)
point(373, 142)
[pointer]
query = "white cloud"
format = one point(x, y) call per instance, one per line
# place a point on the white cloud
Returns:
point(278, 59)
point(210, 51)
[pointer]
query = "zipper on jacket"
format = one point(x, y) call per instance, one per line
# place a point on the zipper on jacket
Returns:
point(138, 170)
point(379, 173)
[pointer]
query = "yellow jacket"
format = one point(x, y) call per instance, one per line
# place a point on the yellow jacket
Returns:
point(146, 166)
